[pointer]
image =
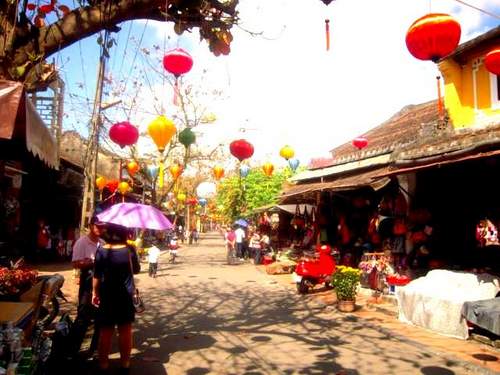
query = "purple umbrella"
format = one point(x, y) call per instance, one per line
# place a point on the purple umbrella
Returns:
point(135, 215)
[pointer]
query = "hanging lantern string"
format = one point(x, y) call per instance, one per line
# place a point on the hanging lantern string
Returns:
point(327, 34)
point(440, 102)
point(479, 9)
point(176, 91)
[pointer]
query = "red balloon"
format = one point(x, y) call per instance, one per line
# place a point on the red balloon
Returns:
point(360, 143)
point(177, 62)
point(433, 36)
point(492, 61)
point(241, 149)
point(124, 134)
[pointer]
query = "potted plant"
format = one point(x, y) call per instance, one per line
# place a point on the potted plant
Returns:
point(345, 280)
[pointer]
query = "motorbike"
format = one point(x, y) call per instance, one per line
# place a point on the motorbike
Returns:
point(310, 272)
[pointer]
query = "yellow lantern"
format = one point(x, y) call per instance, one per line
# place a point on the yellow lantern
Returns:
point(161, 130)
point(181, 197)
point(100, 182)
point(132, 168)
point(287, 152)
point(218, 172)
point(175, 170)
point(268, 169)
point(123, 187)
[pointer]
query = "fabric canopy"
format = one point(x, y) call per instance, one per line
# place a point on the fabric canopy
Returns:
point(17, 113)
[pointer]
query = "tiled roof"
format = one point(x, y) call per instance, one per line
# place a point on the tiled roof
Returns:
point(403, 128)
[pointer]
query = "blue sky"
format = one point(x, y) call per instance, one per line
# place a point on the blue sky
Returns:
point(284, 88)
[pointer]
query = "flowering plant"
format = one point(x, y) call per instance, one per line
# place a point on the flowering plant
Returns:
point(345, 280)
point(15, 281)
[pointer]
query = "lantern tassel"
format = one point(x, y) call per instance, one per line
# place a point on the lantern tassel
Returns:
point(176, 92)
point(440, 101)
point(162, 175)
point(327, 34)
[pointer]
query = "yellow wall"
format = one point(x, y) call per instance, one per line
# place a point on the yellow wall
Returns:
point(459, 92)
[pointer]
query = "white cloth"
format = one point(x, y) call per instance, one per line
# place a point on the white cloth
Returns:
point(84, 249)
point(153, 254)
point(240, 235)
point(435, 301)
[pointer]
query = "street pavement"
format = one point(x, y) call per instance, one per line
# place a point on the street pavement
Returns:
point(204, 316)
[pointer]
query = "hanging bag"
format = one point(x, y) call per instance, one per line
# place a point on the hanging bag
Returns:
point(136, 297)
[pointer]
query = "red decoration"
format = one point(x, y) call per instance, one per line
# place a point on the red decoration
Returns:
point(30, 6)
point(192, 201)
point(492, 61)
point(177, 62)
point(433, 36)
point(241, 149)
point(112, 185)
point(124, 134)
point(360, 143)
point(46, 8)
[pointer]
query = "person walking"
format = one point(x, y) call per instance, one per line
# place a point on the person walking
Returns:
point(153, 255)
point(230, 239)
point(240, 236)
point(83, 257)
point(112, 293)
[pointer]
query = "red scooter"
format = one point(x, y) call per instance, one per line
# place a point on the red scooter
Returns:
point(310, 272)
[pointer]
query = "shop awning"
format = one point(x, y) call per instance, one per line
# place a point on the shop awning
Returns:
point(375, 178)
point(19, 116)
point(290, 208)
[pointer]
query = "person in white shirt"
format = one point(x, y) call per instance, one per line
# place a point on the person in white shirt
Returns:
point(240, 236)
point(153, 255)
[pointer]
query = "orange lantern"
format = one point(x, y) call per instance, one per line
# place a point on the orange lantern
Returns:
point(218, 172)
point(161, 130)
point(132, 168)
point(433, 36)
point(123, 187)
point(268, 169)
point(287, 152)
point(175, 170)
point(100, 182)
point(492, 61)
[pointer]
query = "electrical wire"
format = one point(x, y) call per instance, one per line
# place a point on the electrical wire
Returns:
point(479, 9)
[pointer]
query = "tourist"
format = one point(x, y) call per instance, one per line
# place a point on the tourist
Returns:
point(240, 236)
point(153, 255)
point(255, 246)
point(230, 239)
point(113, 290)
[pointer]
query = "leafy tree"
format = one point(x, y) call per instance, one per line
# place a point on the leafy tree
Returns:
point(236, 197)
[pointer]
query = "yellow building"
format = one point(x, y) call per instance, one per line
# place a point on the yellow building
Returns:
point(472, 94)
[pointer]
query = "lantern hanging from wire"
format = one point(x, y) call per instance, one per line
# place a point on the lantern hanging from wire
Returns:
point(244, 170)
point(181, 197)
point(175, 171)
point(100, 182)
point(241, 149)
point(287, 152)
point(202, 202)
point(187, 137)
point(177, 62)
point(124, 134)
point(294, 164)
point(132, 168)
point(161, 130)
point(268, 169)
point(153, 172)
point(360, 142)
point(112, 185)
point(218, 172)
point(492, 61)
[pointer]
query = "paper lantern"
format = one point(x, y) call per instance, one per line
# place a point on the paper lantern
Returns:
point(187, 137)
point(492, 61)
point(244, 170)
point(218, 172)
point(192, 201)
point(112, 185)
point(161, 130)
point(206, 190)
point(181, 197)
point(268, 169)
point(433, 36)
point(100, 182)
point(175, 170)
point(124, 134)
point(153, 171)
point(294, 164)
point(360, 143)
point(177, 62)
point(241, 149)
point(287, 152)
point(202, 202)
point(123, 187)
point(132, 168)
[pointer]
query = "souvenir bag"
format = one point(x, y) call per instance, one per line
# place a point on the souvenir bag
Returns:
point(136, 297)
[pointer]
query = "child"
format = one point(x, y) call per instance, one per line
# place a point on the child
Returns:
point(153, 255)
point(173, 249)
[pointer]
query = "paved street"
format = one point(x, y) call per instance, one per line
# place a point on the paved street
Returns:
point(204, 316)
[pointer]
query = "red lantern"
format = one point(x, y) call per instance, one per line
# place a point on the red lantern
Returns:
point(124, 134)
point(192, 201)
point(177, 62)
point(112, 185)
point(241, 149)
point(492, 61)
point(433, 36)
point(360, 143)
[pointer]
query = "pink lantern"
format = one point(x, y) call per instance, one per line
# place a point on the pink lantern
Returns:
point(360, 142)
point(124, 134)
point(177, 62)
